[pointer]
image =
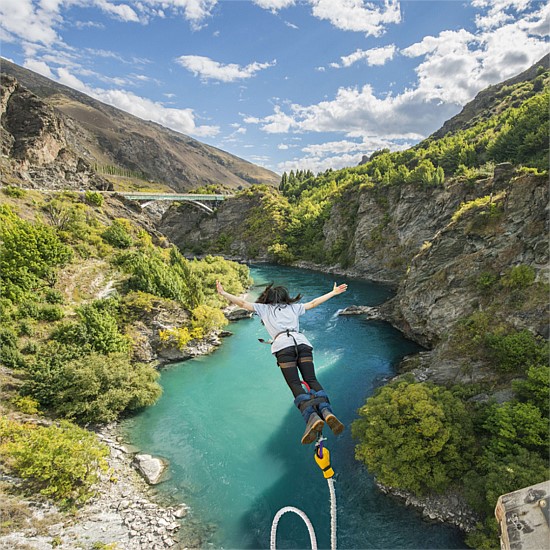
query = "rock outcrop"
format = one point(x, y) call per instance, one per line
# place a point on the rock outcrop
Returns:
point(224, 231)
point(34, 140)
point(440, 286)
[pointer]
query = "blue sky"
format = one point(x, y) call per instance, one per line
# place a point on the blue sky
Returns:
point(286, 84)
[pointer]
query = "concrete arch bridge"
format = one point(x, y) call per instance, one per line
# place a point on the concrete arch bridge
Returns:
point(203, 201)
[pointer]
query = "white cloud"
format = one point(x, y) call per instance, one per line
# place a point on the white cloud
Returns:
point(282, 146)
point(497, 12)
point(274, 5)
point(454, 67)
point(358, 16)
point(194, 11)
point(374, 56)
point(120, 11)
point(37, 21)
point(208, 69)
point(22, 18)
point(39, 67)
point(181, 120)
point(291, 25)
point(319, 164)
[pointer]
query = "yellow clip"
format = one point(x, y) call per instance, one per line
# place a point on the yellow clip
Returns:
point(324, 463)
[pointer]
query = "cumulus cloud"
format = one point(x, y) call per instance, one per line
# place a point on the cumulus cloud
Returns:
point(37, 21)
point(194, 11)
point(208, 69)
point(39, 67)
point(180, 120)
point(356, 15)
point(374, 56)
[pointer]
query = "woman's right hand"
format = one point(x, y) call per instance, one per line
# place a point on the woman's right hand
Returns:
point(219, 287)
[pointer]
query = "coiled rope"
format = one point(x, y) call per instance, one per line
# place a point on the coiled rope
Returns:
point(309, 525)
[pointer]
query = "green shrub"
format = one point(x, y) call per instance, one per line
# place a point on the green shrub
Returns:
point(96, 330)
point(61, 461)
point(207, 319)
point(94, 198)
point(98, 388)
point(518, 277)
point(14, 192)
point(118, 234)
point(50, 313)
point(26, 328)
point(515, 426)
point(53, 296)
point(166, 274)
point(517, 351)
point(535, 388)
point(29, 254)
point(28, 309)
point(414, 436)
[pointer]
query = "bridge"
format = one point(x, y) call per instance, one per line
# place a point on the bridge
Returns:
point(195, 198)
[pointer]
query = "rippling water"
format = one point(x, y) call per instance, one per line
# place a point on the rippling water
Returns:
point(227, 425)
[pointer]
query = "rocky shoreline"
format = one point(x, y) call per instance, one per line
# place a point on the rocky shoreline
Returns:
point(125, 512)
point(448, 508)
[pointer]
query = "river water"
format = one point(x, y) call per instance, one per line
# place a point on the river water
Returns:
point(227, 425)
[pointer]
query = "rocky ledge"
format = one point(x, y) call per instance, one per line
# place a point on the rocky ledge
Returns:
point(369, 311)
point(448, 508)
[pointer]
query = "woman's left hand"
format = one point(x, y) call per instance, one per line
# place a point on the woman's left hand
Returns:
point(338, 289)
point(219, 287)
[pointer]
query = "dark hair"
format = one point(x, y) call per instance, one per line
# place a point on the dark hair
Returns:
point(276, 295)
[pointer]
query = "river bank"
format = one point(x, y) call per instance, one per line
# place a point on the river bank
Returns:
point(124, 513)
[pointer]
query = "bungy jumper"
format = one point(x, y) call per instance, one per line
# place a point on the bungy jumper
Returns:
point(322, 459)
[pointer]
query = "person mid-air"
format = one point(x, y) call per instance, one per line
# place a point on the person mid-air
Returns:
point(280, 315)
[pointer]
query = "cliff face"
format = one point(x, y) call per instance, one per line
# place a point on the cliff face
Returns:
point(225, 231)
point(441, 285)
point(35, 147)
point(390, 225)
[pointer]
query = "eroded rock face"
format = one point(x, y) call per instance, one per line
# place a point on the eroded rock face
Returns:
point(37, 132)
point(34, 138)
point(440, 286)
point(192, 229)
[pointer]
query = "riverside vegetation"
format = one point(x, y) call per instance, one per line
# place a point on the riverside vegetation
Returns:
point(479, 438)
point(67, 351)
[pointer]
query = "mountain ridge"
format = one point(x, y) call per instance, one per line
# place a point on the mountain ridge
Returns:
point(106, 135)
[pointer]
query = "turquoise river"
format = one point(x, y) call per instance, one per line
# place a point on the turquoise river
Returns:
point(228, 427)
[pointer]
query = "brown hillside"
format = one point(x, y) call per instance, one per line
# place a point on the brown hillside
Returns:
point(108, 136)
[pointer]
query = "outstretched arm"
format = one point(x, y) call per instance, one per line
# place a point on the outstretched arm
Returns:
point(338, 289)
point(234, 299)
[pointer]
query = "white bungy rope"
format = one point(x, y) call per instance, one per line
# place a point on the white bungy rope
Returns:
point(311, 530)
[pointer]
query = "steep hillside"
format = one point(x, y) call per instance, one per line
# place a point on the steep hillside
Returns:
point(106, 136)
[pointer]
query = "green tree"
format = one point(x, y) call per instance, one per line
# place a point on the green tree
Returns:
point(414, 436)
point(29, 255)
point(535, 389)
point(99, 388)
point(118, 234)
point(514, 426)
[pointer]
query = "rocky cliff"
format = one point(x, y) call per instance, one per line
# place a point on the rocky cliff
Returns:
point(105, 135)
point(36, 149)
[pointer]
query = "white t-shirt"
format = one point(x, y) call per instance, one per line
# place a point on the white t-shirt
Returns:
point(279, 318)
